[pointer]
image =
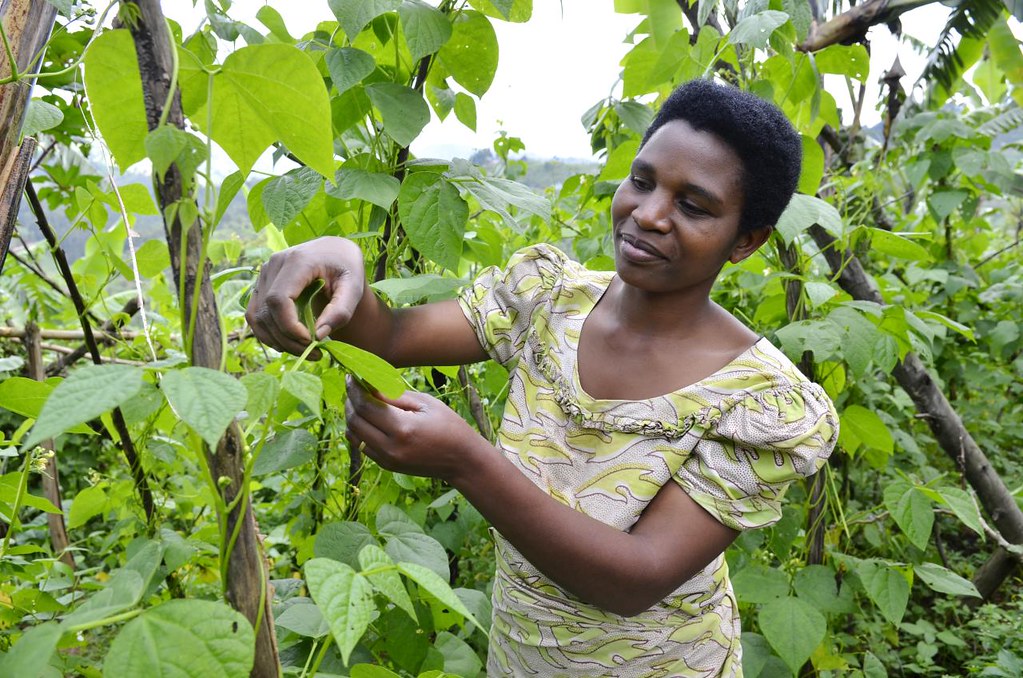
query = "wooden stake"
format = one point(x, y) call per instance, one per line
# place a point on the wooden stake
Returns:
point(51, 477)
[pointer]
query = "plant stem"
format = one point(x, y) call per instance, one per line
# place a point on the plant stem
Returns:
point(106, 621)
point(10, 57)
point(22, 488)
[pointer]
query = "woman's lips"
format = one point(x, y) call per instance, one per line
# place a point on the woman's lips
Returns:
point(636, 249)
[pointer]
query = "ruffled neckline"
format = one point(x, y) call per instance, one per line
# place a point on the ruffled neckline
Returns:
point(671, 415)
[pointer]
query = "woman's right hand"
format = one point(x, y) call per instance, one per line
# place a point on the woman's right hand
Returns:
point(272, 312)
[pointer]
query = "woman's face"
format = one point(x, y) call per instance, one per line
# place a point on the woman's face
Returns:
point(676, 216)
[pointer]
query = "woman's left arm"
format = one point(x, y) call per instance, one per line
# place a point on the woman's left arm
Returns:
point(622, 572)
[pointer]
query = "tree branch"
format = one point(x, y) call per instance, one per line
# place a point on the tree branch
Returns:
point(127, 445)
point(945, 424)
point(853, 24)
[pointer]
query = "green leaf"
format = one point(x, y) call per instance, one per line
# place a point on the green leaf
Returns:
point(219, 641)
point(964, 507)
point(636, 116)
point(816, 585)
point(498, 194)
point(760, 584)
point(205, 399)
point(370, 368)
point(87, 504)
point(153, 258)
point(897, 246)
point(794, 628)
point(426, 28)
point(886, 586)
point(86, 393)
point(804, 211)
point(873, 667)
point(619, 161)
point(39, 117)
point(947, 322)
point(308, 388)
point(429, 286)
point(944, 580)
point(228, 190)
point(404, 110)
point(756, 651)
point(348, 66)
point(27, 396)
point(9, 484)
point(868, 428)
point(271, 18)
point(344, 597)
point(470, 54)
point(439, 589)
point(286, 450)
point(911, 510)
point(30, 656)
point(343, 542)
point(305, 619)
point(284, 197)
point(163, 146)
point(353, 16)
point(374, 187)
point(114, 88)
point(434, 216)
point(756, 29)
point(459, 658)
point(266, 93)
point(819, 293)
point(943, 203)
point(406, 541)
point(465, 110)
point(850, 60)
point(123, 590)
point(859, 336)
point(381, 572)
point(262, 391)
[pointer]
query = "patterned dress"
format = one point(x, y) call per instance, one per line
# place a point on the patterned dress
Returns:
point(732, 441)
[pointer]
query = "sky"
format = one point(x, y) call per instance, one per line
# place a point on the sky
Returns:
point(556, 66)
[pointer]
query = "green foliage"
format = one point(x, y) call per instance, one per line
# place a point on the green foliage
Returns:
point(379, 574)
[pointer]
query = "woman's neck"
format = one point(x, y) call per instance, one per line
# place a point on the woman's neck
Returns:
point(677, 315)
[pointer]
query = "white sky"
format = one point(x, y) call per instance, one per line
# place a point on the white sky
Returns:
point(556, 66)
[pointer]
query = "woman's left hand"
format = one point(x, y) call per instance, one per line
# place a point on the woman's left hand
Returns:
point(414, 434)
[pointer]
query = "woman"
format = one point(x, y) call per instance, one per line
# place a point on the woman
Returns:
point(645, 425)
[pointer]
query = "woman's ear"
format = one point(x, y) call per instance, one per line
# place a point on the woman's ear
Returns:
point(748, 243)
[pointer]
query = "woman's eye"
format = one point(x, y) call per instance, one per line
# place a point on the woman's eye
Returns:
point(639, 182)
point(690, 208)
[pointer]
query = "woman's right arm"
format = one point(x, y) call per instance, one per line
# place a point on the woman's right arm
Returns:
point(431, 334)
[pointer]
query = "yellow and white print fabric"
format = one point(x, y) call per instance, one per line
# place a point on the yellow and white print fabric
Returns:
point(732, 441)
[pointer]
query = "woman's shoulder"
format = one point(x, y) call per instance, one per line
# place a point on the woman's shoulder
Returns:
point(763, 378)
point(555, 271)
point(769, 398)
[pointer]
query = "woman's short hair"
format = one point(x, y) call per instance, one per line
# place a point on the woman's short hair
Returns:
point(769, 147)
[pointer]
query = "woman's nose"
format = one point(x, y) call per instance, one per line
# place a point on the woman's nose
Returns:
point(653, 213)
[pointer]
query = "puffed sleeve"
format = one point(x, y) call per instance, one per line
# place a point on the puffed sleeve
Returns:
point(501, 303)
point(759, 444)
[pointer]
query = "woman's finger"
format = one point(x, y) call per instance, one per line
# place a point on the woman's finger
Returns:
point(345, 294)
point(365, 437)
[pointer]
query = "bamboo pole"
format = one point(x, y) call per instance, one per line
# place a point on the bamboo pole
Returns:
point(247, 586)
point(26, 27)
